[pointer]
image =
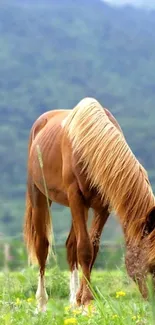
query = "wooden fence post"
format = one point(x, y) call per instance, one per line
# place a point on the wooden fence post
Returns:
point(6, 256)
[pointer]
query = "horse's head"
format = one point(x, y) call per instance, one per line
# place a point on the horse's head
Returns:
point(136, 265)
point(140, 259)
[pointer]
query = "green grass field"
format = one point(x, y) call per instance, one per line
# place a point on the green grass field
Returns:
point(117, 300)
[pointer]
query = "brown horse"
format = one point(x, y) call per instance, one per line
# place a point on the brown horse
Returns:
point(87, 164)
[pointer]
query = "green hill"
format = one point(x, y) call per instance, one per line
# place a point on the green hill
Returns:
point(54, 53)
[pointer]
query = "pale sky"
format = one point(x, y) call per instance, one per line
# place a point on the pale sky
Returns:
point(144, 3)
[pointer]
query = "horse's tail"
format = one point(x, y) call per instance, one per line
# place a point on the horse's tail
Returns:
point(29, 230)
point(37, 226)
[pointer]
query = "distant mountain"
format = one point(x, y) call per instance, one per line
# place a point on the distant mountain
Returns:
point(54, 53)
point(136, 3)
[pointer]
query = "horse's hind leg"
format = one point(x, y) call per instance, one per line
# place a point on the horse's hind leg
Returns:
point(42, 224)
point(71, 245)
point(37, 233)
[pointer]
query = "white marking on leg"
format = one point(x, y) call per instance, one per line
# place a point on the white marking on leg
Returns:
point(41, 294)
point(74, 285)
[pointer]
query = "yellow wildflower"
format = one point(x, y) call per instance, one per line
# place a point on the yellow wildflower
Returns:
point(18, 302)
point(70, 321)
point(120, 294)
point(136, 318)
point(76, 311)
point(29, 300)
point(67, 308)
point(114, 316)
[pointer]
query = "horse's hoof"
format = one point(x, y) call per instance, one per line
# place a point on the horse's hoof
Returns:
point(73, 302)
point(87, 298)
point(41, 309)
point(41, 305)
point(79, 297)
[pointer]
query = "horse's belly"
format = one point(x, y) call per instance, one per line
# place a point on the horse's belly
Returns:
point(55, 193)
point(58, 196)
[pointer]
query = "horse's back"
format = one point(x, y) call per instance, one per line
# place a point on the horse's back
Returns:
point(48, 132)
point(43, 119)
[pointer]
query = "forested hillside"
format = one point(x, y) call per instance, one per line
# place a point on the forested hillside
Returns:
point(54, 53)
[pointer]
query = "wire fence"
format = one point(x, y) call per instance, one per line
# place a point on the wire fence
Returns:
point(13, 255)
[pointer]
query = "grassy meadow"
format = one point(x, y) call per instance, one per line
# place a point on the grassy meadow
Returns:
point(117, 300)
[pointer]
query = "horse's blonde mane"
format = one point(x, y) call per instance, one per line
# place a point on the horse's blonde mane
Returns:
point(110, 165)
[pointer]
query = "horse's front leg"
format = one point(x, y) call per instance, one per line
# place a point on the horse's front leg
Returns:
point(84, 246)
point(98, 222)
point(71, 245)
point(96, 229)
